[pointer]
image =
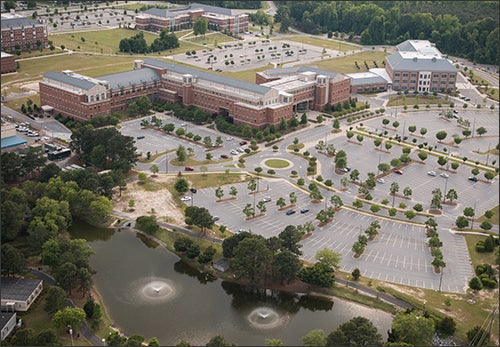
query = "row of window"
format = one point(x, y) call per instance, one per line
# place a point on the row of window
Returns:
point(424, 76)
point(452, 82)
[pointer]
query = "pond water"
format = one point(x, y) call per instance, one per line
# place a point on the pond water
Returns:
point(148, 291)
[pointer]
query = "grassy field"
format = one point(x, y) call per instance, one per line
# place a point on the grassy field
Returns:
point(107, 40)
point(410, 100)
point(494, 219)
point(346, 64)
point(319, 42)
point(476, 257)
point(277, 163)
point(212, 39)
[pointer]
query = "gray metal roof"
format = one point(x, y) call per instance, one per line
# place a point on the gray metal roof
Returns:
point(298, 69)
point(130, 78)
point(231, 82)
point(19, 22)
point(363, 78)
point(410, 61)
point(72, 81)
point(406, 46)
point(172, 12)
point(5, 318)
point(17, 288)
point(213, 9)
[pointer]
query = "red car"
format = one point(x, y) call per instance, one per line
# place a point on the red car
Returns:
point(243, 143)
point(224, 156)
point(399, 172)
point(189, 168)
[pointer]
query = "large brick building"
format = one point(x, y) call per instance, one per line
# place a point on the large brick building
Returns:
point(8, 63)
point(23, 32)
point(279, 95)
point(183, 17)
point(419, 66)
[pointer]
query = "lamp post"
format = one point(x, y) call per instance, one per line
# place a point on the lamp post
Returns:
point(71, 334)
point(166, 161)
point(445, 186)
point(440, 279)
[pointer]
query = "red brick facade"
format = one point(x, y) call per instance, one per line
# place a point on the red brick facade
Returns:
point(8, 63)
point(23, 32)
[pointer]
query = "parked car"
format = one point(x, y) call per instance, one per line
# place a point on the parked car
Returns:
point(304, 210)
point(380, 180)
point(186, 198)
point(444, 175)
point(234, 152)
point(189, 168)
point(230, 138)
point(290, 212)
point(399, 172)
point(242, 143)
point(266, 199)
point(431, 173)
point(241, 150)
point(345, 169)
point(241, 231)
point(215, 218)
point(140, 137)
point(224, 156)
point(472, 178)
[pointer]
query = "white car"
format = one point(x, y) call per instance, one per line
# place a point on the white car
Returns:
point(380, 180)
point(444, 175)
point(186, 198)
point(234, 152)
point(229, 138)
point(241, 150)
point(431, 173)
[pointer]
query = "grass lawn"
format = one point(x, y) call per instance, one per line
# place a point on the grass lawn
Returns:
point(214, 180)
point(476, 257)
point(346, 64)
point(320, 42)
point(15, 104)
point(410, 100)
point(211, 39)
point(277, 163)
point(494, 219)
point(107, 39)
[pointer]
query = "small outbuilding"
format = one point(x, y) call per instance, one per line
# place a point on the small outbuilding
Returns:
point(19, 293)
point(221, 265)
point(8, 323)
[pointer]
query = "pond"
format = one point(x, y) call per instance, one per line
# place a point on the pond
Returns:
point(148, 291)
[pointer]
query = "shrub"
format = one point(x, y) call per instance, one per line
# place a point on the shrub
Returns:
point(446, 326)
point(480, 247)
point(475, 283)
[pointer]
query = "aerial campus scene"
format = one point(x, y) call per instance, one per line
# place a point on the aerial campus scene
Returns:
point(265, 173)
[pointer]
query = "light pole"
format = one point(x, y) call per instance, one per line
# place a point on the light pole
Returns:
point(488, 154)
point(71, 334)
point(166, 161)
point(440, 279)
point(445, 186)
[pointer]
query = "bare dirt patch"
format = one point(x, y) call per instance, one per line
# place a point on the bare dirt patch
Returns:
point(160, 200)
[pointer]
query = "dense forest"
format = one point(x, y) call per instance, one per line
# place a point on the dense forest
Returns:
point(467, 29)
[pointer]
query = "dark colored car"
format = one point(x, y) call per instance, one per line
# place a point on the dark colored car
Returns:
point(243, 143)
point(290, 212)
point(472, 178)
point(399, 172)
point(189, 168)
point(140, 137)
point(304, 210)
point(224, 156)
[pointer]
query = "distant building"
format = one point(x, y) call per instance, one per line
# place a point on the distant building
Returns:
point(419, 66)
point(23, 32)
point(7, 323)
point(19, 293)
point(8, 63)
point(369, 82)
point(256, 105)
point(221, 265)
point(183, 17)
point(9, 138)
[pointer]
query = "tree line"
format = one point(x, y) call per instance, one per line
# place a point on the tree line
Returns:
point(390, 23)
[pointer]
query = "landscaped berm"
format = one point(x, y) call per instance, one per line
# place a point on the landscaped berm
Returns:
point(277, 163)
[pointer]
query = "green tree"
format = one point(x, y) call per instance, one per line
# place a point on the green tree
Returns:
point(154, 342)
point(181, 186)
point(181, 153)
point(290, 238)
point(55, 299)
point(135, 340)
point(13, 261)
point(478, 336)
point(251, 258)
point(314, 337)
point(69, 316)
point(281, 202)
point(475, 283)
point(273, 342)
point(147, 224)
point(219, 341)
point(358, 331)
point(318, 274)
point(200, 27)
point(413, 328)
point(329, 258)
point(286, 266)
point(219, 193)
